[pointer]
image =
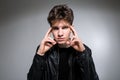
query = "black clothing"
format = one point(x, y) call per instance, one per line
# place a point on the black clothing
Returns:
point(78, 65)
point(63, 64)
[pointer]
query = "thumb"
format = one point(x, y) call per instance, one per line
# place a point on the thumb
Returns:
point(68, 42)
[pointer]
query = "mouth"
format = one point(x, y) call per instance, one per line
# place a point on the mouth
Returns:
point(60, 39)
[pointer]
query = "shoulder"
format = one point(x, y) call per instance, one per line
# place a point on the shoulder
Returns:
point(88, 50)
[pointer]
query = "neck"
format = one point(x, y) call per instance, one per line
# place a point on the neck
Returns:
point(63, 45)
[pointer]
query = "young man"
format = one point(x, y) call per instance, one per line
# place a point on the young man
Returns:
point(63, 57)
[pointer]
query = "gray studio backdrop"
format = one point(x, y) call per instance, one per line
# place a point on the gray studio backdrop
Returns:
point(23, 24)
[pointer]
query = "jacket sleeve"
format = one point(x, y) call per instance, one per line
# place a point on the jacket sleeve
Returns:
point(86, 64)
point(37, 69)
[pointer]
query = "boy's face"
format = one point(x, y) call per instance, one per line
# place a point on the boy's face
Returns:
point(61, 31)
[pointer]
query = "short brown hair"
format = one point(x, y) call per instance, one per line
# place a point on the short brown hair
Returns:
point(59, 12)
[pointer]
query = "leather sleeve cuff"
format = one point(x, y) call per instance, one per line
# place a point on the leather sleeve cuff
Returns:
point(39, 62)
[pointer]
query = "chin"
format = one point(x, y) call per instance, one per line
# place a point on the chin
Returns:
point(61, 43)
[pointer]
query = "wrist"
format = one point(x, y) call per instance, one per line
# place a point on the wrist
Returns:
point(82, 48)
point(40, 53)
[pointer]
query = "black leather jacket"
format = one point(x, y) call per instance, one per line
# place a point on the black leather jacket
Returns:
point(46, 67)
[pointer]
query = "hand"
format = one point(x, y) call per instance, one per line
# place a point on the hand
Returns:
point(46, 43)
point(75, 42)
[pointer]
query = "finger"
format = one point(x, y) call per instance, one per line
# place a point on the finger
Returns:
point(73, 31)
point(73, 42)
point(72, 38)
point(49, 40)
point(68, 42)
point(49, 44)
point(48, 32)
point(52, 41)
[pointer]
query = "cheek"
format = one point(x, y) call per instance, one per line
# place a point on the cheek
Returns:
point(68, 33)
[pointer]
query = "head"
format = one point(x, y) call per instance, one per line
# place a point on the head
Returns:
point(60, 19)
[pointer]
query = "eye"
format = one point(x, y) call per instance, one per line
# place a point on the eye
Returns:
point(65, 27)
point(55, 28)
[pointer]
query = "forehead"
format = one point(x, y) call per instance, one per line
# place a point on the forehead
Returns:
point(60, 23)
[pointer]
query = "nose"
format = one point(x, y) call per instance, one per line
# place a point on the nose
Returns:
point(60, 33)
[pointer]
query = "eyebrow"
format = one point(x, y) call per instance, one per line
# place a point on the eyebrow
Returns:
point(61, 26)
point(54, 26)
